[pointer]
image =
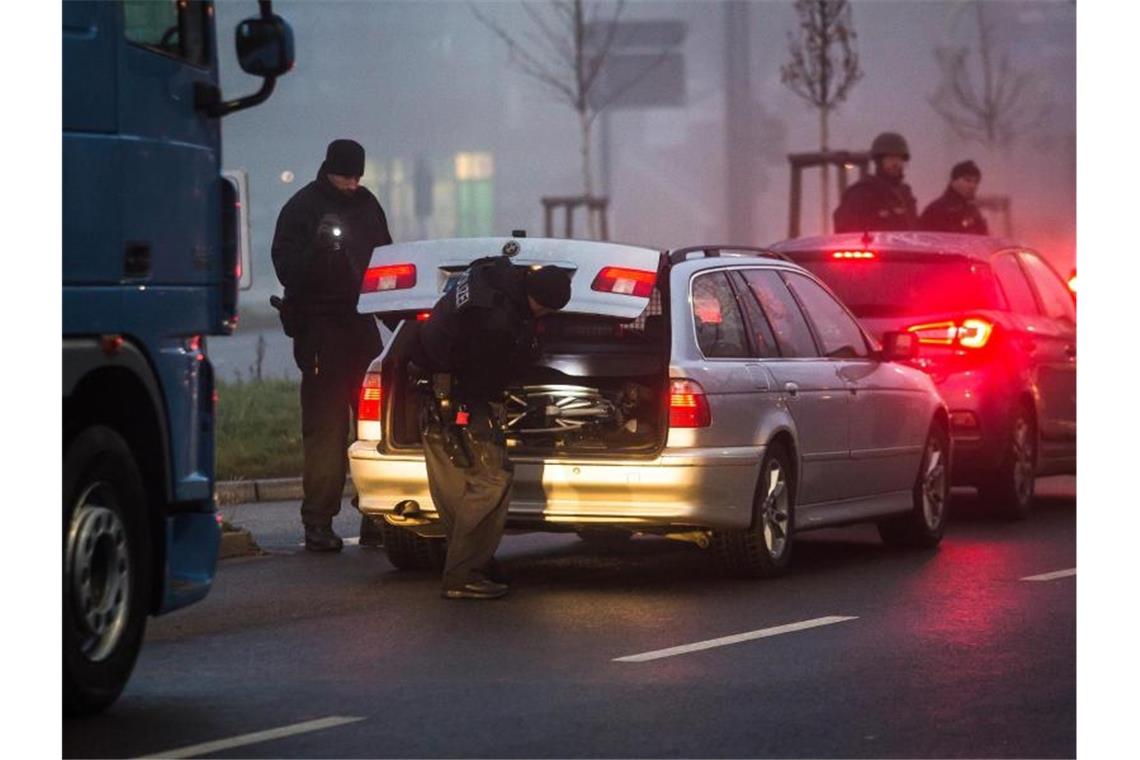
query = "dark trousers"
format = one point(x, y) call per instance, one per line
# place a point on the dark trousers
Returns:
point(333, 355)
point(472, 501)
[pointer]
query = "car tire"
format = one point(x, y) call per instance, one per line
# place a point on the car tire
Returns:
point(106, 568)
point(1008, 492)
point(603, 538)
point(923, 526)
point(409, 551)
point(764, 549)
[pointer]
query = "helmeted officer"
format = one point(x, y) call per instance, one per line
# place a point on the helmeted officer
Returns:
point(955, 210)
point(880, 201)
point(321, 247)
point(478, 335)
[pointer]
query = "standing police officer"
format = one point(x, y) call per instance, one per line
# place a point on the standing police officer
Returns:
point(478, 335)
point(880, 201)
point(321, 247)
point(955, 210)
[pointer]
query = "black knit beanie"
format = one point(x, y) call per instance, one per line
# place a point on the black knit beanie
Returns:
point(344, 157)
point(965, 169)
point(550, 286)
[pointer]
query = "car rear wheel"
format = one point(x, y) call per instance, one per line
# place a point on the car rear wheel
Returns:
point(924, 525)
point(409, 551)
point(764, 549)
point(1009, 491)
point(106, 569)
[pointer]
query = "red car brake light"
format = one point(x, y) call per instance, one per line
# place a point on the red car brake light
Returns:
point(688, 405)
point(371, 394)
point(843, 255)
point(391, 277)
point(630, 282)
point(972, 332)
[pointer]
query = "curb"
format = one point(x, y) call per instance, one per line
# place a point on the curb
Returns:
point(230, 492)
point(237, 543)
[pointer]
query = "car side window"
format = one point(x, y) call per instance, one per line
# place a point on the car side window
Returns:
point(763, 340)
point(720, 327)
point(792, 333)
point(1013, 283)
point(1055, 296)
point(174, 27)
point(837, 330)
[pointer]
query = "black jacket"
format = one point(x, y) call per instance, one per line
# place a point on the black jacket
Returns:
point(481, 331)
point(318, 279)
point(877, 202)
point(953, 213)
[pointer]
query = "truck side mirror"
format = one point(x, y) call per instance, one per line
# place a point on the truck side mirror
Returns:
point(899, 346)
point(264, 46)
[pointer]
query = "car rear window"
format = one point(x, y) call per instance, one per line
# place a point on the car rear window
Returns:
point(903, 285)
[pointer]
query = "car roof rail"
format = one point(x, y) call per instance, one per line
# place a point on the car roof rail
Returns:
point(711, 251)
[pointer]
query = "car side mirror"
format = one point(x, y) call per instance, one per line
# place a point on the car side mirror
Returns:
point(899, 346)
point(264, 46)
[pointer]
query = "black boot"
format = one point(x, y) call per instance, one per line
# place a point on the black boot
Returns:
point(322, 539)
point(477, 589)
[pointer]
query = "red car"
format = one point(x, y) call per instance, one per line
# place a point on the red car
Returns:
point(998, 335)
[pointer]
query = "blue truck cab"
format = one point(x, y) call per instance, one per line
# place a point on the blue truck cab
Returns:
point(150, 269)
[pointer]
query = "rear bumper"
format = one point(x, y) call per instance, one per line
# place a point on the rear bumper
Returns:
point(989, 400)
point(705, 488)
point(192, 540)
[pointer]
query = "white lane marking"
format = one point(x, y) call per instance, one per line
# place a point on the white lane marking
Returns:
point(735, 639)
point(1051, 576)
point(207, 748)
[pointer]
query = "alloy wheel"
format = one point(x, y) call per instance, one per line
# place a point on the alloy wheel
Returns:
point(1022, 459)
point(774, 510)
point(934, 483)
point(98, 571)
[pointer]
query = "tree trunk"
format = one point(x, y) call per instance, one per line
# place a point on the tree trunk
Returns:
point(585, 124)
point(825, 176)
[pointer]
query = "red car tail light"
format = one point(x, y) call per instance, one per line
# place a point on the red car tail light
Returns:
point(391, 277)
point(843, 255)
point(972, 332)
point(630, 282)
point(371, 394)
point(688, 405)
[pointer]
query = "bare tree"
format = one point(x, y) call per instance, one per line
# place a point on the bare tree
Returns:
point(565, 51)
point(998, 111)
point(823, 68)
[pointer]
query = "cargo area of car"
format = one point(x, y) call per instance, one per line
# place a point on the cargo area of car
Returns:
point(599, 389)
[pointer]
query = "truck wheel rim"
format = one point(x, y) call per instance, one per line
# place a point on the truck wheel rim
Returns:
point(774, 510)
point(98, 571)
point(934, 484)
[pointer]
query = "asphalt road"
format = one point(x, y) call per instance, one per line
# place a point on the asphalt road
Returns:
point(860, 651)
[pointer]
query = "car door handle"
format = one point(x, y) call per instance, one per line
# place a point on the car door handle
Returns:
point(791, 388)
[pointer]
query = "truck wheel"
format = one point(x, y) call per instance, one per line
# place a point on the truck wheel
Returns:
point(764, 549)
point(106, 569)
point(408, 551)
point(924, 525)
point(1009, 491)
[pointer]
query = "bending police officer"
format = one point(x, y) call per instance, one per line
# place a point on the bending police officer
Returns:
point(880, 201)
point(955, 210)
point(478, 335)
point(321, 247)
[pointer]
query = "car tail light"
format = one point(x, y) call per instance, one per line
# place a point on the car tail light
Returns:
point(368, 411)
point(390, 277)
point(423, 316)
point(842, 255)
point(972, 332)
point(688, 405)
point(630, 282)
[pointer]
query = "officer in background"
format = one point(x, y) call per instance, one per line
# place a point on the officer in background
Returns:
point(478, 335)
point(955, 210)
point(880, 201)
point(321, 247)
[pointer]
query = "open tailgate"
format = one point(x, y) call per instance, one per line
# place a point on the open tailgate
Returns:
point(405, 279)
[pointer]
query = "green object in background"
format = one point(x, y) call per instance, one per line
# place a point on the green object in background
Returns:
point(476, 207)
point(259, 430)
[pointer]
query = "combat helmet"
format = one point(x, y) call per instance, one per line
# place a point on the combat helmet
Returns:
point(890, 144)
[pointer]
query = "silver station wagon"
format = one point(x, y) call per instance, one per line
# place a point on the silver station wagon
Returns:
point(715, 394)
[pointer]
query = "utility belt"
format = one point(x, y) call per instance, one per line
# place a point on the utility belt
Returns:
point(296, 314)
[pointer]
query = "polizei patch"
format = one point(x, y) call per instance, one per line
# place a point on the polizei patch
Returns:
point(463, 290)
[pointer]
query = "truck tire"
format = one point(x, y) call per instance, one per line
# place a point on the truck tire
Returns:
point(924, 524)
point(764, 549)
point(408, 551)
point(106, 568)
point(1008, 492)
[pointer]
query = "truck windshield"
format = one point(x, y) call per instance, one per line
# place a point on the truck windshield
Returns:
point(904, 285)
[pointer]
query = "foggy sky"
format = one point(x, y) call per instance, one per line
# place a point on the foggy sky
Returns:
point(423, 80)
